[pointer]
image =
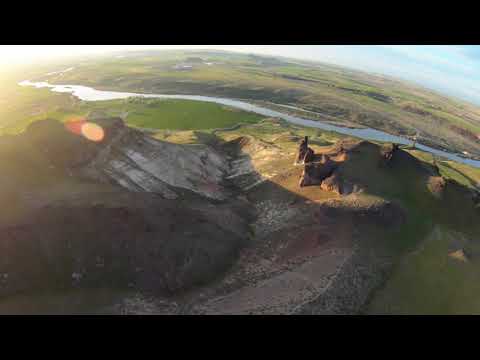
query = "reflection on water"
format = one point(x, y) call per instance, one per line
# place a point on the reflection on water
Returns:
point(90, 94)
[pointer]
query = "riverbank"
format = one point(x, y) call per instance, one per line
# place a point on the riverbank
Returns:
point(86, 93)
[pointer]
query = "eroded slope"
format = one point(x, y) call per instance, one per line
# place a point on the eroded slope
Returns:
point(219, 225)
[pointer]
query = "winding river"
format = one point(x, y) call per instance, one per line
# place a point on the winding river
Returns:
point(90, 94)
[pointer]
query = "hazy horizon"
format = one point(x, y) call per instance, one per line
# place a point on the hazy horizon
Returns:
point(451, 70)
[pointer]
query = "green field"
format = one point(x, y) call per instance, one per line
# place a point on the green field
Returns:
point(463, 174)
point(429, 281)
point(337, 94)
point(36, 104)
point(175, 114)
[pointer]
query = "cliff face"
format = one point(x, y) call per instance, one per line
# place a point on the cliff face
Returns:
point(111, 212)
point(132, 159)
point(141, 163)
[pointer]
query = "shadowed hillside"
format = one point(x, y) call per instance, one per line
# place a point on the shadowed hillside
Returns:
point(215, 222)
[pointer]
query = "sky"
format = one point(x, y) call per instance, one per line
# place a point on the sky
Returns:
point(449, 69)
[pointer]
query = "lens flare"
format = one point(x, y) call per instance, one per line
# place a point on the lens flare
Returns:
point(93, 132)
point(89, 130)
point(75, 125)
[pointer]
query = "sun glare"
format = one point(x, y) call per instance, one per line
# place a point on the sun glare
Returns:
point(89, 130)
point(93, 132)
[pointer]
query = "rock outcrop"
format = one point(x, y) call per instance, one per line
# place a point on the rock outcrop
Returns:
point(132, 159)
point(141, 163)
point(333, 183)
point(302, 149)
point(315, 173)
point(388, 152)
point(250, 161)
point(459, 255)
point(305, 153)
point(436, 185)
